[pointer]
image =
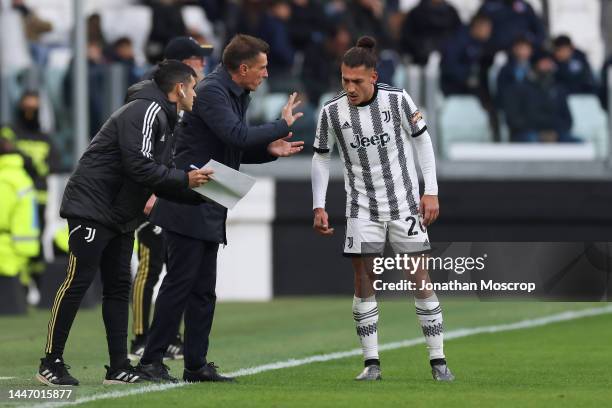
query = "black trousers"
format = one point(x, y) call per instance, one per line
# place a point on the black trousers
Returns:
point(93, 247)
point(151, 255)
point(189, 287)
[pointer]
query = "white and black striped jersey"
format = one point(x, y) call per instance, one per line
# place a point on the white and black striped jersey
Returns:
point(375, 146)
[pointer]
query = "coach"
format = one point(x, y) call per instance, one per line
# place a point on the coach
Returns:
point(216, 129)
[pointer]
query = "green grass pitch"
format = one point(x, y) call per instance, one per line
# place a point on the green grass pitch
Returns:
point(565, 364)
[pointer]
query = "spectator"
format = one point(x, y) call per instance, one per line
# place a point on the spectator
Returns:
point(367, 17)
point(19, 231)
point(36, 145)
point(39, 151)
point(536, 109)
point(517, 68)
point(510, 19)
point(464, 66)
point(573, 69)
point(94, 30)
point(274, 29)
point(95, 80)
point(306, 24)
point(34, 27)
point(122, 52)
point(167, 23)
point(464, 58)
point(426, 28)
point(603, 92)
point(321, 72)
point(249, 18)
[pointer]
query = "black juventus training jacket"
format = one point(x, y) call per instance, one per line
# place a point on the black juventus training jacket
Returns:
point(123, 166)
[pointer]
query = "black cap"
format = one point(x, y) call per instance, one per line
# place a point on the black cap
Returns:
point(182, 48)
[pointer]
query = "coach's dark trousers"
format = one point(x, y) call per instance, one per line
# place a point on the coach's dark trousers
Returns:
point(189, 286)
point(94, 247)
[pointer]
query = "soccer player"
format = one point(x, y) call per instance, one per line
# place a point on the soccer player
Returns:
point(377, 128)
point(103, 199)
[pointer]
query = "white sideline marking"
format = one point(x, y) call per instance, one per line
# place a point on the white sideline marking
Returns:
point(453, 334)
point(6, 378)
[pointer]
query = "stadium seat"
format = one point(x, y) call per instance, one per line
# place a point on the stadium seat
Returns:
point(590, 122)
point(133, 22)
point(581, 20)
point(15, 54)
point(462, 119)
point(195, 19)
point(272, 105)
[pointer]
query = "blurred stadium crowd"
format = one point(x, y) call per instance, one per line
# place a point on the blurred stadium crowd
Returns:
point(482, 70)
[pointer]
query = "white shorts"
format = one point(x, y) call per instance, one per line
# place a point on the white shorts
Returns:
point(365, 237)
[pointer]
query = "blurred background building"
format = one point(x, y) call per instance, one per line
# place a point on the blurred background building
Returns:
point(515, 93)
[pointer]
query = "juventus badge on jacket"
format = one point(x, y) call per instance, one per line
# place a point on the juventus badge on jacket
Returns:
point(91, 234)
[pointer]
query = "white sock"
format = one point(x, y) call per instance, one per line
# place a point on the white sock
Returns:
point(365, 314)
point(429, 313)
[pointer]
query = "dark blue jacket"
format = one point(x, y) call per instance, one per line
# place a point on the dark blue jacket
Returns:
point(462, 58)
point(510, 19)
point(216, 129)
point(512, 73)
point(536, 105)
point(576, 74)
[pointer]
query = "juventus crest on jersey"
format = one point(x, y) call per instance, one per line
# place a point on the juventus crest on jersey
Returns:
point(374, 141)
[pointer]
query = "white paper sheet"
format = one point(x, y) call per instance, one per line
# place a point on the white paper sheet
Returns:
point(227, 186)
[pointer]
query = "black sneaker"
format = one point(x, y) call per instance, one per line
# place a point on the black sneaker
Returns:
point(126, 374)
point(54, 373)
point(206, 373)
point(137, 349)
point(175, 349)
point(155, 372)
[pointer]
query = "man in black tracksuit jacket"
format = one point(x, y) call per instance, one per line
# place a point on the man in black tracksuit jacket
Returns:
point(215, 129)
point(102, 202)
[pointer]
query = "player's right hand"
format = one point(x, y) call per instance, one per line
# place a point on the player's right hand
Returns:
point(199, 177)
point(321, 222)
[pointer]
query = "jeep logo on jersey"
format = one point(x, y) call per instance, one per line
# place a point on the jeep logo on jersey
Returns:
point(364, 141)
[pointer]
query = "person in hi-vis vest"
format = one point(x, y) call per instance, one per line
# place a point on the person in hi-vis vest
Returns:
point(19, 228)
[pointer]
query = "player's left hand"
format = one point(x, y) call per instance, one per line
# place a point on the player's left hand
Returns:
point(284, 148)
point(429, 209)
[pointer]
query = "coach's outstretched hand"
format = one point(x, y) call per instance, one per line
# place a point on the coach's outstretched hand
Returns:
point(199, 177)
point(321, 222)
point(287, 112)
point(430, 209)
point(284, 148)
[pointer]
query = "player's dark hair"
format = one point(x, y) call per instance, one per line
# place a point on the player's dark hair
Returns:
point(243, 48)
point(363, 53)
point(172, 72)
